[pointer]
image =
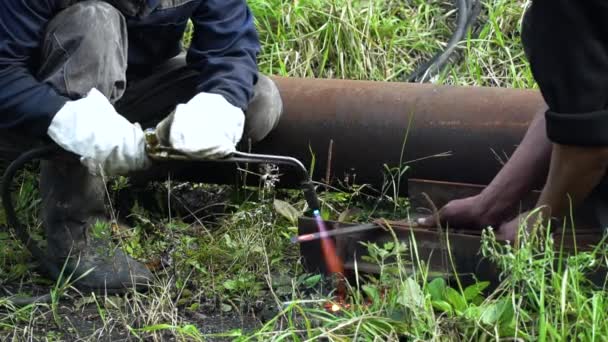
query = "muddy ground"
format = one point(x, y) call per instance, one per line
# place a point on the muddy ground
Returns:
point(100, 318)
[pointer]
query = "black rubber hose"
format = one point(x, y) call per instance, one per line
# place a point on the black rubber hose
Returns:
point(424, 72)
point(51, 150)
point(467, 15)
point(43, 152)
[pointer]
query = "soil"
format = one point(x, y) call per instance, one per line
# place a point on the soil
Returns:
point(79, 319)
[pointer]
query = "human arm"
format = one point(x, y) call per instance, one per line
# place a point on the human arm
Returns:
point(568, 51)
point(224, 48)
point(25, 102)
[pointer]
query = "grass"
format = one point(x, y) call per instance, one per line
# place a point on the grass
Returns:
point(226, 269)
point(386, 40)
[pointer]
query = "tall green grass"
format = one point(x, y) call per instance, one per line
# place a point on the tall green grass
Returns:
point(386, 40)
point(545, 295)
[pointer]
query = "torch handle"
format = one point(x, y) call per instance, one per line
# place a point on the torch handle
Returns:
point(156, 151)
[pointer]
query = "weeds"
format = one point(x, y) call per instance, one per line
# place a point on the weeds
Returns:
point(225, 267)
point(537, 300)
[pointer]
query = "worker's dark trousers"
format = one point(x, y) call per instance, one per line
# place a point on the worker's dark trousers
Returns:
point(86, 46)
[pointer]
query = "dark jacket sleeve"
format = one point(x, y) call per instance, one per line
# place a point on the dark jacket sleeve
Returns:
point(566, 42)
point(224, 48)
point(24, 101)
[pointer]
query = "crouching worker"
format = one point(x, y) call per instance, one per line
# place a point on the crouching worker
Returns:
point(88, 75)
point(566, 145)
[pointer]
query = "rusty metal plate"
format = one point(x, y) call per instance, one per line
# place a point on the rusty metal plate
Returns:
point(445, 255)
point(457, 252)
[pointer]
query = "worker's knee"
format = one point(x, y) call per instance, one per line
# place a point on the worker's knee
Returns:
point(94, 23)
point(85, 46)
point(264, 111)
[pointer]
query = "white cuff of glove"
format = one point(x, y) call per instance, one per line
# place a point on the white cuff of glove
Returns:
point(91, 128)
point(206, 127)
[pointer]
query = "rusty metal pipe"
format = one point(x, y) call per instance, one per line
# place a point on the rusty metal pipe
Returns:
point(367, 122)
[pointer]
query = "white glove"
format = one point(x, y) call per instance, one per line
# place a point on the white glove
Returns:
point(206, 127)
point(91, 128)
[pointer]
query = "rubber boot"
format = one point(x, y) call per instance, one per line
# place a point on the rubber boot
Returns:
point(79, 231)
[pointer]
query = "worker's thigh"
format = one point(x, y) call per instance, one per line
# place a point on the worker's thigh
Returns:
point(150, 98)
point(84, 47)
point(566, 43)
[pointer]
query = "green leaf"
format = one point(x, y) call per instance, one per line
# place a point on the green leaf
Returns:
point(389, 246)
point(455, 299)
point(312, 281)
point(410, 294)
point(436, 289)
point(490, 314)
point(475, 290)
point(190, 330)
point(500, 312)
point(156, 327)
point(473, 313)
point(231, 284)
point(507, 312)
point(442, 306)
point(372, 292)
point(287, 211)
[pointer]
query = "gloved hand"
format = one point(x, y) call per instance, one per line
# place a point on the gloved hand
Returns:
point(206, 127)
point(91, 128)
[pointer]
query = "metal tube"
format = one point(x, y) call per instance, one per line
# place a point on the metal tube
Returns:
point(368, 121)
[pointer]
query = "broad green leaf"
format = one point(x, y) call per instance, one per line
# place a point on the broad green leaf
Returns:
point(475, 290)
point(473, 313)
point(410, 294)
point(507, 312)
point(312, 281)
point(490, 313)
point(454, 298)
point(442, 306)
point(500, 312)
point(287, 210)
point(436, 288)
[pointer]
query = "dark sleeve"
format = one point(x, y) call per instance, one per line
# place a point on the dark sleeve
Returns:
point(566, 42)
point(224, 48)
point(24, 101)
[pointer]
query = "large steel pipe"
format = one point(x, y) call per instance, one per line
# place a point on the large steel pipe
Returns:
point(368, 121)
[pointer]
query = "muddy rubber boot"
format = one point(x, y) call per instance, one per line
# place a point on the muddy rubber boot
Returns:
point(76, 225)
